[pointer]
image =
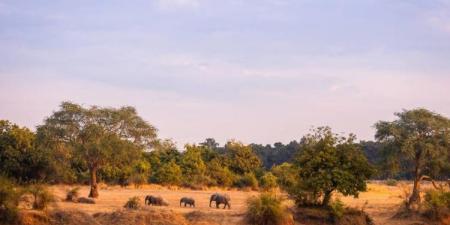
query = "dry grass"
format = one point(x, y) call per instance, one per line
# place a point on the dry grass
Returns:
point(382, 202)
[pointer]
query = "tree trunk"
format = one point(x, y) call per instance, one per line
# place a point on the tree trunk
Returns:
point(326, 198)
point(93, 181)
point(414, 199)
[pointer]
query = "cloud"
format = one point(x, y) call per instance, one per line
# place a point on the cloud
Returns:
point(178, 4)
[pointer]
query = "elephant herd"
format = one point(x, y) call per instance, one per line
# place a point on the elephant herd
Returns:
point(216, 197)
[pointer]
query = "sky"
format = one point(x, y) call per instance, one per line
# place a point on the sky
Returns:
point(258, 71)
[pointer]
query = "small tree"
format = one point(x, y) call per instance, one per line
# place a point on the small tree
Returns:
point(417, 140)
point(329, 163)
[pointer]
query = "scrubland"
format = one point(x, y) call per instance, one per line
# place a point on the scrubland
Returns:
point(380, 201)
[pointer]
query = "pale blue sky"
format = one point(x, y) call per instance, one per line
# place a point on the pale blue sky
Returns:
point(256, 70)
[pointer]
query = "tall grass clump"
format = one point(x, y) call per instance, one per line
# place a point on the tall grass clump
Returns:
point(391, 182)
point(42, 197)
point(133, 203)
point(437, 204)
point(267, 209)
point(9, 199)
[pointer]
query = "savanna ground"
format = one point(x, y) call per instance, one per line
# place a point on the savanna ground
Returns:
point(380, 202)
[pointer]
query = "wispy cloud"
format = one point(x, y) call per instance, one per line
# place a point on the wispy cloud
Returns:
point(177, 4)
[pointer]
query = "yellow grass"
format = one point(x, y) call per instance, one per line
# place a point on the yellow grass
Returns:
point(382, 201)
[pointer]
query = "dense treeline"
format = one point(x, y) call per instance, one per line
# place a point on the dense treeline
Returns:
point(115, 145)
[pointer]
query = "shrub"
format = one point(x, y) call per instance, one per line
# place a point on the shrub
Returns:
point(268, 181)
point(42, 197)
point(248, 180)
point(337, 208)
point(138, 180)
point(391, 182)
point(9, 199)
point(72, 194)
point(437, 204)
point(133, 203)
point(267, 209)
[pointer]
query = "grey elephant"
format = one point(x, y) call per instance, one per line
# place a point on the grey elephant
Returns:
point(155, 200)
point(220, 199)
point(187, 201)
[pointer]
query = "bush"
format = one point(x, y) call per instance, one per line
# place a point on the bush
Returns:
point(248, 180)
point(391, 182)
point(337, 208)
point(133, 203)
point(9, 199)
point(437, 204)
point(138, 180)
point(73, 194)
point(42, 197)
point(268, 181)
point(267, 209)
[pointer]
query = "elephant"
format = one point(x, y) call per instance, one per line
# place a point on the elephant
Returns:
point(155, 200)
point(220, 199)
point(187, 201)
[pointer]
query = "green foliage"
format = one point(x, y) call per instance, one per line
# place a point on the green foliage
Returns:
point(96, 136)
point(9, 198)
point(330, 163)
point(337, 208)
point(417, 141)
point(42, 196)
point(267, 209)
point(268, 181)
point(17, 149)
point(287, 175)
point(241, 158)
point(192, 165)
point(247, 180)
point(437, 203)
point(73, 194)
point(169, 174)
point(133, 203)
point(391, 182)
point(276, 154)
point(219, 174)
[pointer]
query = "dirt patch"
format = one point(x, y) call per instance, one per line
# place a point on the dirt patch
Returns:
point(321, 216)
point(141, 217)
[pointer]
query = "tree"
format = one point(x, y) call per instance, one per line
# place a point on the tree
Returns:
point(329, 163)
point(192, 165)
point(169, 173)
point(19, 157)
point(287, 175)
point(241, 158)
point(417, 138)
point(98, 136)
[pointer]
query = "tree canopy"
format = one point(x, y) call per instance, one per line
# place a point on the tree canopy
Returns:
point(98, 136)
point(419, 141)
point(328, 162)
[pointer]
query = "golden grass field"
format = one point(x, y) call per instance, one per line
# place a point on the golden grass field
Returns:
point(382, 201)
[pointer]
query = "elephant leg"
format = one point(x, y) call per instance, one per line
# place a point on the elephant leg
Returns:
point(217, 204)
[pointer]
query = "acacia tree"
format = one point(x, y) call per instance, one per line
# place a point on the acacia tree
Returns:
point(328, 162)
point(97, 136)
point(417, 138)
